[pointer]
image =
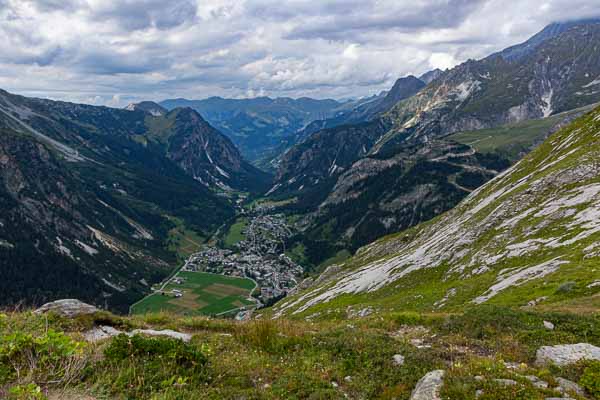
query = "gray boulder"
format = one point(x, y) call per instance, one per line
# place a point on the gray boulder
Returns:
point(567, 386)
point(100, 333)
point(69, 308)
point(428, 387)
point(506, 382)
point(567, 354)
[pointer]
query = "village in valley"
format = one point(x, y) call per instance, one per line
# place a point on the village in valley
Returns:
point(244, 266)
point(259, 256)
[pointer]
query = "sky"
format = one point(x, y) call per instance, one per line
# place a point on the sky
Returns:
point(113, 52)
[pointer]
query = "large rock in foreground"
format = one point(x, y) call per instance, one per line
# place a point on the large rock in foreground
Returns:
point(567, 354)
point(69, 308)
point(99, 333)
point(428, 387)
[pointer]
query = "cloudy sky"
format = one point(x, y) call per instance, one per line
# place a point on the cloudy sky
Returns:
point(113, 52)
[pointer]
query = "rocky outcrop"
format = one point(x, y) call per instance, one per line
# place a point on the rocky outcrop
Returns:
point(429, 386)
point(100, 333)
point(567, 354)
point(69, 308)
point(150, 107)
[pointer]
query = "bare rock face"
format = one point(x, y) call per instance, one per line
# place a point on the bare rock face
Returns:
point(69, 308)
point(567, 354)
point(428, 387)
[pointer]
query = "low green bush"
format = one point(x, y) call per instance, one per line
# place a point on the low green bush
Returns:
point(52, 357)
point(30, 391)
point(590, 380)
point(140, 367)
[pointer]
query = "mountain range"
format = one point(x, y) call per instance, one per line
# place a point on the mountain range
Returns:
point(553, 72)
point(91, 195)
point(259, 126)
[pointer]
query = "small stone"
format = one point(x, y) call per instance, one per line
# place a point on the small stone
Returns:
point(514, 365)
point(334, 384)
point(559, 398)
point(478, 393)
point(348, 378)
point(398, 359)
point(537, 382)
point(548, 325)
point(479, 378)
point(69, 308)
point(428, 387)
point(505, 382)
point(570, 386)
point(567, 354)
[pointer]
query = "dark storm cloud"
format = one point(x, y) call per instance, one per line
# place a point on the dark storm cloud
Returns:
point(432, 15)
point(143, 14)
point(109, 52)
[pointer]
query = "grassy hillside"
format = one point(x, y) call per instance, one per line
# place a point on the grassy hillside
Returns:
point(514, 140)
point(47, 357)
point(529, 235)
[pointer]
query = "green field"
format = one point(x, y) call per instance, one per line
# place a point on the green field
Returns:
point(235, 232)
point(203, 294)
point(512, 140)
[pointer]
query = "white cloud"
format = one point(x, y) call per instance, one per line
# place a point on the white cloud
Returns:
point(94, 50)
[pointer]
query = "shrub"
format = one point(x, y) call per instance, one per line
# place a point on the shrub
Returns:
point(566, 287)
point(26, 392)
point(138, 366)
point(52, 357)
point(590, 379)
point(408, 318)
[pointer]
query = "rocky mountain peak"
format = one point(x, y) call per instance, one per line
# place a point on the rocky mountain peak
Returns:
point(149, 107)
point(430, 76)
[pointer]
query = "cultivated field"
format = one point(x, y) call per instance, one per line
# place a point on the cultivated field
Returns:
point(202, 294)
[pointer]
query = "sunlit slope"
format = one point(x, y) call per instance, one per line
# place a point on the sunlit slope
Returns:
point(532, 234)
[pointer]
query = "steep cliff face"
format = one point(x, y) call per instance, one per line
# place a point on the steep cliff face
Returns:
point(324, 157)
point(208, 156)
point(528, 236)
point(555, 71)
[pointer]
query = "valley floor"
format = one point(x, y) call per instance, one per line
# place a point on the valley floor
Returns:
point(484, 353)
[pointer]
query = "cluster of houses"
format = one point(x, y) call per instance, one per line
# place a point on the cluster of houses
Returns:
point(260, 256)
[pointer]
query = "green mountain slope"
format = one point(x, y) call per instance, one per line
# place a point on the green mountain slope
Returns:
point(90, 196)
point(529, 235)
